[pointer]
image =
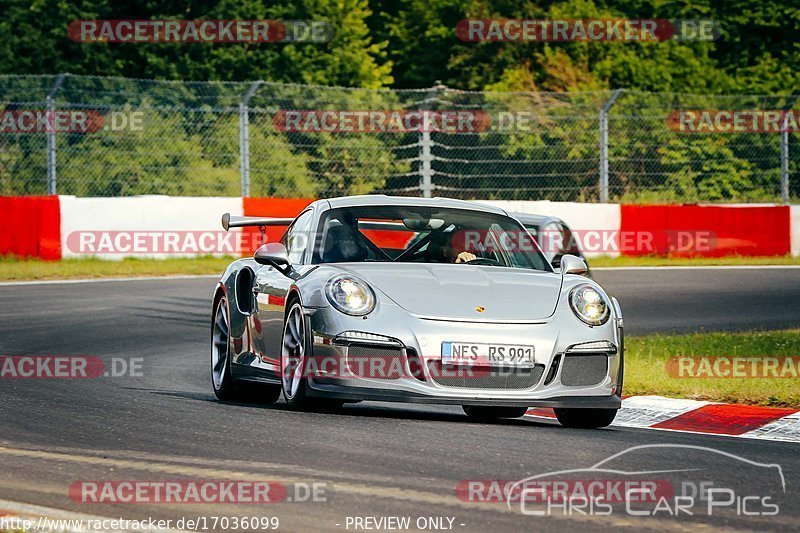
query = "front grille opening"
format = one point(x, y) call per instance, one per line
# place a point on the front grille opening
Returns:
point(496, 377)
point(551, 375)
point(377, 362)
point(584, 370)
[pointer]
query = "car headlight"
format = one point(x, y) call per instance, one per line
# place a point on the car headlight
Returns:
point(350, 295)
point(589, 305)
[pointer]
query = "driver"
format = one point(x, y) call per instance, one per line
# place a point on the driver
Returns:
point(440, 250)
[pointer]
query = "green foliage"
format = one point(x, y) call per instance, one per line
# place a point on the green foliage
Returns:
point(412, 43)
point(161, 158)
point(756, 53)
point(35, 41)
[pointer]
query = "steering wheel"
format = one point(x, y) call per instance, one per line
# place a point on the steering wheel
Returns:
point(483, 261)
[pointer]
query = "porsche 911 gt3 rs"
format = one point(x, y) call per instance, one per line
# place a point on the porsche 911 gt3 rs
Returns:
point(415, 300)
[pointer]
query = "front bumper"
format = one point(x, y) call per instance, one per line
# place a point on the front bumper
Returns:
point(563, 377)
point(356, 394)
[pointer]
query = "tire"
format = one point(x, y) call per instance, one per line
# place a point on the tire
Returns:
point(221, 379)
point(483, 413)
point(295, 351)
point(585, 418)
point(223, 383)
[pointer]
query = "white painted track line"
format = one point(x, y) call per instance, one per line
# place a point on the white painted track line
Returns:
point(698, 267)
point(104, 280)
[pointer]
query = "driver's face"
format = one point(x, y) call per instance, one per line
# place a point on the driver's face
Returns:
point(448, 252)
point(445, 250)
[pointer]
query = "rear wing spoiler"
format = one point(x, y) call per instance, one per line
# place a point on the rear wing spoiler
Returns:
point(232, 221)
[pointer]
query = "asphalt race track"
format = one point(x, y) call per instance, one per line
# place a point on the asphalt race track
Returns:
point(683, 300)
point(375, 459)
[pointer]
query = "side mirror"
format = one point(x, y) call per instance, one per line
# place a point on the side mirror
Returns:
point(272, 254)
point(571, 264)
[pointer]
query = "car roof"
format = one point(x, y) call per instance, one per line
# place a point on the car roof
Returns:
point(382, 199)
point(534, 219)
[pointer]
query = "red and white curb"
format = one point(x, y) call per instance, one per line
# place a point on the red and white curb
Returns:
point(692, 416)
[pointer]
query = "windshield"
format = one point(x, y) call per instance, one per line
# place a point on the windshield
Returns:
point(417, 234)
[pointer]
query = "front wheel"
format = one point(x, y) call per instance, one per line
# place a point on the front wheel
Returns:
point(295, 351)
point(585, 418)
point(482, 413)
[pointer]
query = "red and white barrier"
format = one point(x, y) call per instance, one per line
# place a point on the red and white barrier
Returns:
point(795, 229)
point(65, 226)
point(30, 226)
point(711, 230)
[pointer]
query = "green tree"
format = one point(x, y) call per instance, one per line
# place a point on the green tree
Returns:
point(161, 158)
point(36, 42)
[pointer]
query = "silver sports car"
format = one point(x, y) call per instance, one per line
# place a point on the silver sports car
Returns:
point(415, 300)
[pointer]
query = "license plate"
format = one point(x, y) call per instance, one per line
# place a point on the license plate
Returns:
point(487, 354)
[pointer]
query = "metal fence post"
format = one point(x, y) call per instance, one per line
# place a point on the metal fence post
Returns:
point(785, 147)
point(51, 136)
point(784, 163)
point(604, 144)
point(425, 145)
point(425, 170)
point(244, 137)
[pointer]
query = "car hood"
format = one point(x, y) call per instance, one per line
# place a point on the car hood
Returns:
point(451, 291)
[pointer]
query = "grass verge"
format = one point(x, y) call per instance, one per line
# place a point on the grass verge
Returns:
point(731, 260)
point(646, 360)
point(15, 269)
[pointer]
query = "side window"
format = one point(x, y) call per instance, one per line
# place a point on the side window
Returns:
point(570, 242)
point(551, 242)
point(297, 237)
